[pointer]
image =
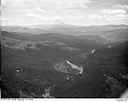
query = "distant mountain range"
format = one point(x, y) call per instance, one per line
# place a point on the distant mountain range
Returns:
point(109, 32)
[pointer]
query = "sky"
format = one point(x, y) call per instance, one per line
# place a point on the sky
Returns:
point(71, 12)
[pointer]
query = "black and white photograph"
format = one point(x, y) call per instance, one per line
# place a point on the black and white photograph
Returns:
point(64, 49)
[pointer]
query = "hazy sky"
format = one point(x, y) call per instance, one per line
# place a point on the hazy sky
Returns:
point(75, 12)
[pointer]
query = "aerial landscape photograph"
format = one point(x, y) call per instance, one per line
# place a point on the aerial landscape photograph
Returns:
point(64, 49)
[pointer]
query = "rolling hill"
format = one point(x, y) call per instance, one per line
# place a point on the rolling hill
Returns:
point(29, 63)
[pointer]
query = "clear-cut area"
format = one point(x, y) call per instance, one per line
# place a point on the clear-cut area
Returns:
point(68, 67)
